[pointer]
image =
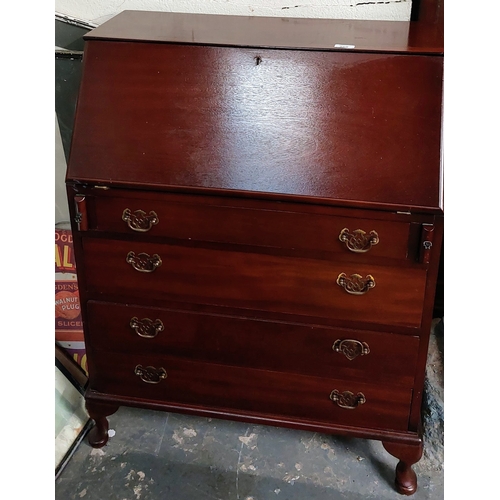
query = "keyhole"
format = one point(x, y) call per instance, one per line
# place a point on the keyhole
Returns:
point(258, 60)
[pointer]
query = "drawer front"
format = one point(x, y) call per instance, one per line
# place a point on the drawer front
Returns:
point(310, 350)
point(300, 231)
point(264, 282)
point(259, 392)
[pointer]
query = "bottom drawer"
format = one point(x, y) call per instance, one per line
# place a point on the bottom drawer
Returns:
point(258, 392)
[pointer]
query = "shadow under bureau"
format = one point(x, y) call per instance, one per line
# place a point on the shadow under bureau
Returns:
point(257, 219)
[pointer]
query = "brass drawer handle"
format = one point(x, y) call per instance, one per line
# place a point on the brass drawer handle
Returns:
point(143, 262)
point(347, 399)
point(150, 374)
point(351, 348)
point(358, 241)
point(146, 327)
point(139, 221)
point(355, 284)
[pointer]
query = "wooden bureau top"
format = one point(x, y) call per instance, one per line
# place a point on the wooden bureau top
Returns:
point(340, 127)
point(275, 32)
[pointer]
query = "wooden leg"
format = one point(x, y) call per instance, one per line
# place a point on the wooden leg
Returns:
point(99, 436)
point(408, 454)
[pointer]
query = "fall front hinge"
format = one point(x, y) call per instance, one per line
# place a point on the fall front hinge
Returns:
point(81, 212)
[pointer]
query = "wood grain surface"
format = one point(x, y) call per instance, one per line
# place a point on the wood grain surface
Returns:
point(255, 281)
point(276, 346)
point(287, 32)
point(258, 392)
point(272, 226)
point(351, 128)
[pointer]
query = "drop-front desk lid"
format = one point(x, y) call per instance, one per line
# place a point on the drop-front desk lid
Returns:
point(349, 114)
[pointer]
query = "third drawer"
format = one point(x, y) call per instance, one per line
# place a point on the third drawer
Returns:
point(289, 347)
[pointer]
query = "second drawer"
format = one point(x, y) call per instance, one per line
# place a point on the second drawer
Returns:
point(311, 350)
point(392, 296)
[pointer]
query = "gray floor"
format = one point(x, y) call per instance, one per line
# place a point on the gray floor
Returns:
point(156, 455)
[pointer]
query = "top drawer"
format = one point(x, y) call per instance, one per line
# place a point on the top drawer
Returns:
point(271, 225)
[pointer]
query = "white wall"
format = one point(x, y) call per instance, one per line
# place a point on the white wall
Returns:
point(98, 11)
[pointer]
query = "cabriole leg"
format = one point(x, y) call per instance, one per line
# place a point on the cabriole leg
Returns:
point(98, 436)
point(408, 454)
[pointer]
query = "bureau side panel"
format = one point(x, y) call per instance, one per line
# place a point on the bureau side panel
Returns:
point(427, 317)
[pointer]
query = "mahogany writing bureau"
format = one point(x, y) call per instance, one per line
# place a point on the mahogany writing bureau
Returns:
point(257, 218)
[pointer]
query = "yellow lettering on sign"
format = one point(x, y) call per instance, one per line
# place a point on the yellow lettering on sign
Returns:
point(58, 256)
point(67, 257)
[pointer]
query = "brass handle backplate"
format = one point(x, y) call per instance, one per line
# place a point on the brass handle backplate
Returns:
point(355, 284)
point(347, 399)
point(351, 348)
point(358, 241)
point(139, 220)
point(143, 262)
point(146, 327)
point(150, 374)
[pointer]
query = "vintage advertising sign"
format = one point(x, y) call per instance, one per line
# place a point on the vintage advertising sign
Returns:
point(68, 316)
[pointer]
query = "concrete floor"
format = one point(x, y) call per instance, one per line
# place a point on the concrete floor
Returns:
point(166, 456)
